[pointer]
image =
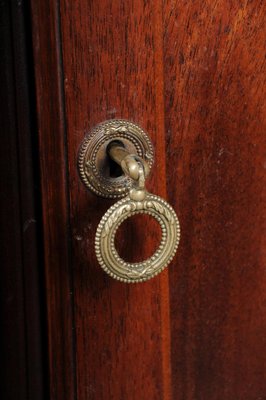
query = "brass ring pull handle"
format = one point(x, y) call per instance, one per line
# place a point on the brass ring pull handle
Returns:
point(137, 201)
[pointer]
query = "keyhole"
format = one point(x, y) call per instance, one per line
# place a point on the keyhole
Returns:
point(115, 171)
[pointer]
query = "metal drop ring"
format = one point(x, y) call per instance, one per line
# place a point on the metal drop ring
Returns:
point(107, 254)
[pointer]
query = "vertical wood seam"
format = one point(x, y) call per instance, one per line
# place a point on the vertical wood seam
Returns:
point(160, 132)
point(69, 230)
point(61, 384)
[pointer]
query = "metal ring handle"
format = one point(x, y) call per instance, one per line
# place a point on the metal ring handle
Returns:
point(130, 147)
point(107, 254)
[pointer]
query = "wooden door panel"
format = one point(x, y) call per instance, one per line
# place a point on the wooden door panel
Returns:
point(214, 79)
point(193, 75)
point(122, 335)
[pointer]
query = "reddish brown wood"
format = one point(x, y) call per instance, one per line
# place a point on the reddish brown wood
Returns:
point(214, 69)
point(53, 159)
point(191, 73)
point(109, 58)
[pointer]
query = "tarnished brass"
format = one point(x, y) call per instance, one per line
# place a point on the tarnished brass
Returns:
point(137, 202)
point(128, 162)
point(94, 162)
point(135, 166)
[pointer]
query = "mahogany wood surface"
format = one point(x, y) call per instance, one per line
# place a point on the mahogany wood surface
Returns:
point(121, 355)
point(192, 74)
point(54, 185)
point(215, 127)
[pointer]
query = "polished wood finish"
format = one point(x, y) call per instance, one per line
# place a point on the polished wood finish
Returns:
point(54, 186)
point(122, 352)
point(215, 131)
point(192, 74)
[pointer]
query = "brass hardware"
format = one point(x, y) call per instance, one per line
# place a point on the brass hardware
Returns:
point(138, 201)
point(135, 167)
point(94, 164)
point(128, 162)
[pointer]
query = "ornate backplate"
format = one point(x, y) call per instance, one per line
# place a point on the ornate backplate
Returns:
point(94, 162)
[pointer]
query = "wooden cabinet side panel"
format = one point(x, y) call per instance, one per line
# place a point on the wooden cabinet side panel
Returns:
point(214, 62)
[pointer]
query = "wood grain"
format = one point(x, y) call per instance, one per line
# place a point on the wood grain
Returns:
point(54, 190)
point(109, 58)
point(193, 75)
point(214, 68)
